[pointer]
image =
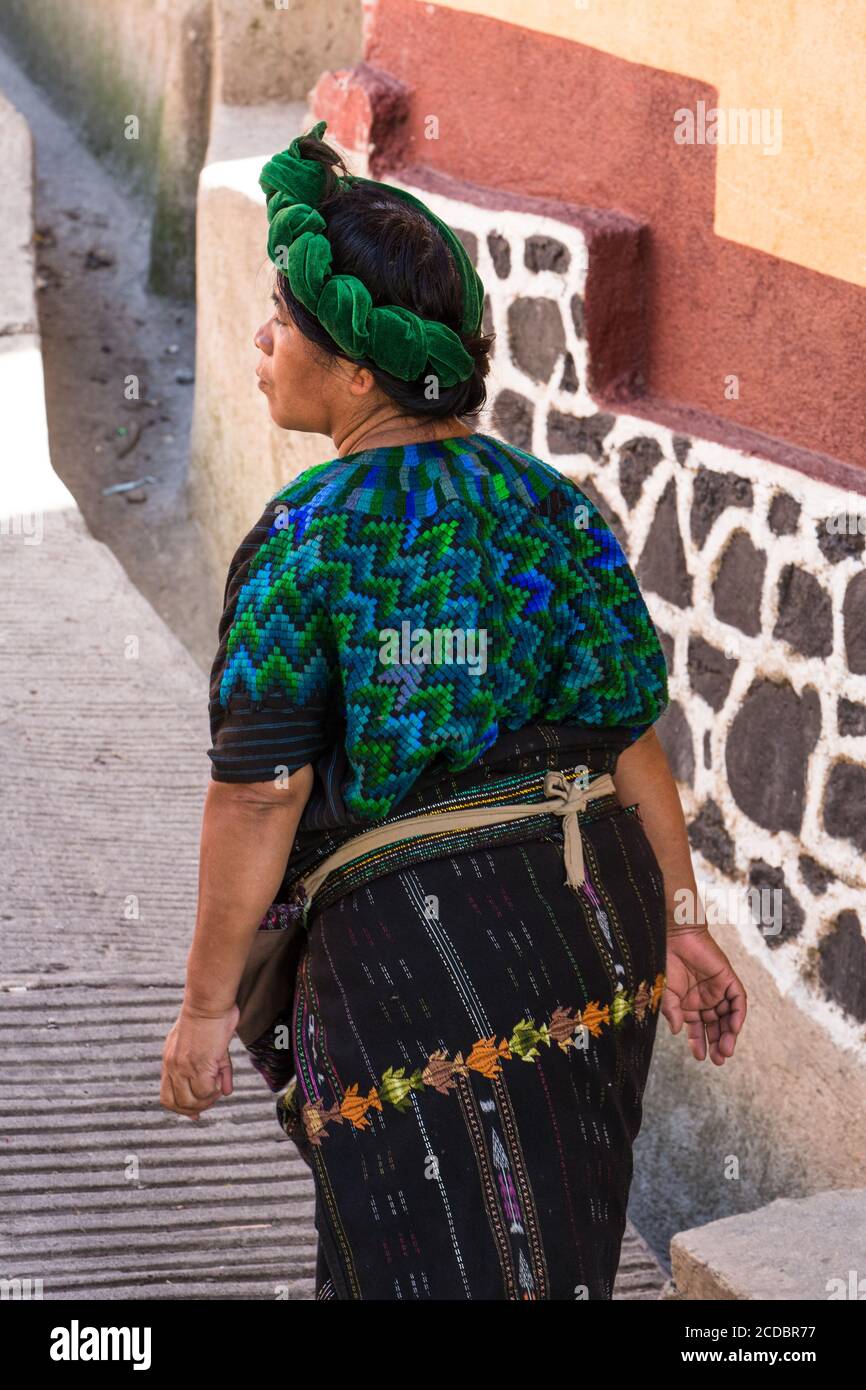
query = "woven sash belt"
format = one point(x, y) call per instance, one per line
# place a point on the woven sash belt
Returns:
point(563, 798)
point(263, 987)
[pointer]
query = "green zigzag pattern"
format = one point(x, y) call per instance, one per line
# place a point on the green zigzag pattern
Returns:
point(367, 542)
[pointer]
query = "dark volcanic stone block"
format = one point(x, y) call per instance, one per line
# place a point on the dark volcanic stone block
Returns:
point(845, 803)
point(536, 336)
point(512, 417)
point(663, 560)
point(768, 746)
point(708, 834)
point(637, 459)
point(546, 253)
point(842, 964)
point(573, 434)
point(710, 672)
point(738, 584)
point(712, 494)
point(805, 617)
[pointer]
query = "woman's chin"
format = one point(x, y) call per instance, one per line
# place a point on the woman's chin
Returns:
point(274, 410)
point(286, 419)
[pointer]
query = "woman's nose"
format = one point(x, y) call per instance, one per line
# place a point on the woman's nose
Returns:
point(261, 338)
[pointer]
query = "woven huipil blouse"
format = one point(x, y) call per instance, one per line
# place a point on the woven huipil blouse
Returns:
point(340, 601)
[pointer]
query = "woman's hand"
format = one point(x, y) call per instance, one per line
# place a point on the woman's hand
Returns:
point(196, 1069)
point(702, 991)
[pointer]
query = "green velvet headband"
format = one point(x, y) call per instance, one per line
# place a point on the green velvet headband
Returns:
point(396, 339)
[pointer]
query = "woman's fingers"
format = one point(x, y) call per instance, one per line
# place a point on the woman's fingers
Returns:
point(168, 1097)
point(189, 1094)
point(715, 1026)
point(197, 1069)
point(724, 1021)
point(703, 991)
point(224, 1079)
point(737, 1001)
point(671, 1011)
point(194, 1096)
point(697, 1038)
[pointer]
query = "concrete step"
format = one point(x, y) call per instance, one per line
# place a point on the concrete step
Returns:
point(804, 1249)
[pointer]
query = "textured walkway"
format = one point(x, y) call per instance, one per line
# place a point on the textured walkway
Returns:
point(114, 1197)
point(103, 739)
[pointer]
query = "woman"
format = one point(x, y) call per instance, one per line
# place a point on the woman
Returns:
point(435, 623)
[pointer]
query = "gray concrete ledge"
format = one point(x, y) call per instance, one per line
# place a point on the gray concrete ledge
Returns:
point(803, 1249)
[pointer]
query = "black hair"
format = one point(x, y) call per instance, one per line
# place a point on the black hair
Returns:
point(402, 259)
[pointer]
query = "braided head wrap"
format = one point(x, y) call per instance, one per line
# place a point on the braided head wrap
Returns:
point(396, 339)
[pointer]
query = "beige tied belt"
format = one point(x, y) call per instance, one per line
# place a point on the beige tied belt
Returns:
point(268, 975)
point(564, 799)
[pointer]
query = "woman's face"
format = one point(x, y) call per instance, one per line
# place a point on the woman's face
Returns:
point(305, 389)
point(287, 372)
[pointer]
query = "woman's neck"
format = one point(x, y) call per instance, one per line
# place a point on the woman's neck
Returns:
point(396, 432)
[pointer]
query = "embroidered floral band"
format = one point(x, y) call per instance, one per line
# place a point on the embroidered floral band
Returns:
point(483, 1058)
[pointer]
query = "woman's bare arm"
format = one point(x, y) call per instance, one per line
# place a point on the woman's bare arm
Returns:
point(248, 830)
point(643, 775)
point(702, 990)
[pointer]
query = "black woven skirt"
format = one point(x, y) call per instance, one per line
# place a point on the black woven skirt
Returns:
point(471, 1041)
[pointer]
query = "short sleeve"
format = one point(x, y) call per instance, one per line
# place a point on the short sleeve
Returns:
point(272, 703)
point(616, 672)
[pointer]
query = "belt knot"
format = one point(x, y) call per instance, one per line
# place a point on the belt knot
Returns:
point(566, 799)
